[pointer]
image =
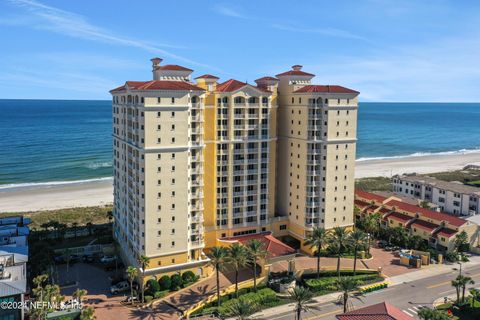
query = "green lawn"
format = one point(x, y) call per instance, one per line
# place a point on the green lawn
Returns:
point(81, 216)
point(374, 184)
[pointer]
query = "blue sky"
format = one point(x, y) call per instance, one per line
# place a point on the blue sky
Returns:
point(389, 50)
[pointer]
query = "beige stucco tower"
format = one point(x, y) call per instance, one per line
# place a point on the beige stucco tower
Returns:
point(317, 127)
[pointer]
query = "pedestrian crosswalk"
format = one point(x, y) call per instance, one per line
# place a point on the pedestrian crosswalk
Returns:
point(413, 311)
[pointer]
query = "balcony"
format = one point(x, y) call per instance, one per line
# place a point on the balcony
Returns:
point(197, 243)
point(197, 195)
point(196, 105)
point(198, 218)
point(197, 118)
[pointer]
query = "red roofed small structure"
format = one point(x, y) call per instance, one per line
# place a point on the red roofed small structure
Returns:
point(275, 247)
point(173, 67)
point(233, 85)
point(325, 89)
point(379, 311)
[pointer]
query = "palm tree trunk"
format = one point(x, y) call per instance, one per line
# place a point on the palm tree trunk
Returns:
point(143, 288)
point(255, 276)
point(463, 293)
point(299, 313)
point(458, 293)
point(131, 291)
point(236, 282)
point(355, 261)
point(218, 286)
point(338, 264)
point(318, 263)
point(345, 300)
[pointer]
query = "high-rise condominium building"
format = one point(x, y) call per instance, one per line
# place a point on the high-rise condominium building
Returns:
point(197, 162)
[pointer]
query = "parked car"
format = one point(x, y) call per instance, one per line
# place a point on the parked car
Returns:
point(89, 258)
point(130, 299)
point(382, 244)
point(120, 287)
point(108, 259)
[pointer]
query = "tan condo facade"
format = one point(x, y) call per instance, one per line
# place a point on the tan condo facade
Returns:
point(195, 162)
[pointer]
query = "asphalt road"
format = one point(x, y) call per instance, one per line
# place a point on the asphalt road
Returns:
point(408, 297)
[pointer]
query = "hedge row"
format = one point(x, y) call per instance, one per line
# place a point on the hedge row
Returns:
point(333, 273)
point(330, 283)
point(157, 289)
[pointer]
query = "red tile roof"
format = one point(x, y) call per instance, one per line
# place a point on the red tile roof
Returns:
point(384, 210)
point(362, 204)
point(447, 233)
point(369, 196)
point(295, 73)
point(425, 225)
point(434, 215)
point(325, 89)
point(158, 85)
point(233, 85)
point(380, 311)
point(372, 208)
point(399, 217)
point(207, 76)
point(173, 67)
point(274, 246)
point(266, 78)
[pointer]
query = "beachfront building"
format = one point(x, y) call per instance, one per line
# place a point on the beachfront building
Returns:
point(437, 229)
point(14, 233)
point(158, 170)
point(197, 162)
point(452, 197)
point(317, 127)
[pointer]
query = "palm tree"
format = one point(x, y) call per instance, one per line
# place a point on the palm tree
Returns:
point(431, 314)
point(339, 240)
point(242, 309)
point(238, 258)
point(143, 261)
point(302, 298)
point(38, 282)
point(218, 257)
point(79, 294)
point(88, 314)
point(357, 239)
point(132, 273)
point(474, 296)
point(256, 251)
point(464, 281)
point(346, 285)
point(457, 285)
point(317, 240)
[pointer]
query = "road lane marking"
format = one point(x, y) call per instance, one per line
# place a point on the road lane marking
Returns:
point(412, 310)
point(407, 313)
point(448, 291)
point(448, 282)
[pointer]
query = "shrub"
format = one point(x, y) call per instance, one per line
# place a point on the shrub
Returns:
point(153, 285)
point(188, 276)
point(263, 297)
point(177, 282)
point(330, 283)
point(148, 299)
point(160, 294)
point(165, 283)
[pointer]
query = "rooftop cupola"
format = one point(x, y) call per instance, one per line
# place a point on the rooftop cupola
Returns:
point(297, 67)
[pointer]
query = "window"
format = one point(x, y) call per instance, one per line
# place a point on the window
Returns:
point(173, 114)
point(173, 100)
point(158, 113)
point(158, 101)
point(283, 227)
point(173, 168)
point(173, 245)
point(173, 127)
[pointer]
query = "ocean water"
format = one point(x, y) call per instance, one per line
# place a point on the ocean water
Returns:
point(55, 141)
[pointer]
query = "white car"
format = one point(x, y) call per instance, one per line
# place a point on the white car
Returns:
point(120, 287)
point(108, 259)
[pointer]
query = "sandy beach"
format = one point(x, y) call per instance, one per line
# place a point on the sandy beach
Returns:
point(94, 193)
point(34, 198)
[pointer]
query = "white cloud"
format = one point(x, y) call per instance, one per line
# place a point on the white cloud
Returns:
point(230, 11)
point(74, 25)
point(331, 32)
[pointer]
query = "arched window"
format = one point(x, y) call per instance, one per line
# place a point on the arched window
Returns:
point(253, 100)
point(194, 99)
point(319, 101)
point(225, 99)
point(264, 100)
point(239, 100)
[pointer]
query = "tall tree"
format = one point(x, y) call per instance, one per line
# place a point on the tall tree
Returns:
point(461, 242)
point(457, 285)
point(242, 309)
point(132, 273)
point(339, 240)
point(474, 296)
point(302, 299)
point(464, 281)
point(431, 314)
point(143, 261)
point(238, 258)
point(218, 257)
point(317, 240)
point(357, 240)
point(346, 285)
point(256, 252)
point(79, 294)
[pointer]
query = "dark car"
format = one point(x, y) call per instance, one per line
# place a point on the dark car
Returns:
point(89, 258)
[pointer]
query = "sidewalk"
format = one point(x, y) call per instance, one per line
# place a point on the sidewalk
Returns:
point(426, 272)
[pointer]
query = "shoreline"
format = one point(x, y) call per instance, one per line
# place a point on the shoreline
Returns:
point(99, 192)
